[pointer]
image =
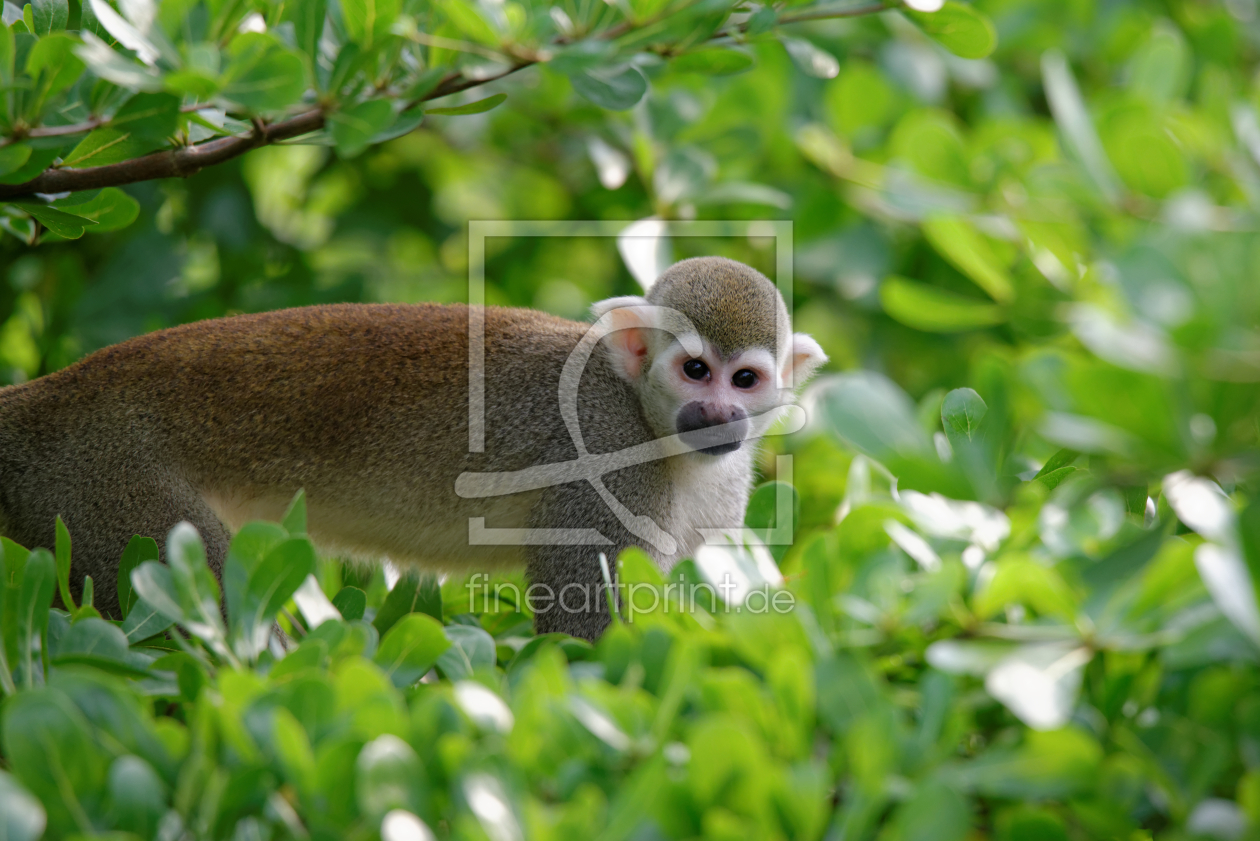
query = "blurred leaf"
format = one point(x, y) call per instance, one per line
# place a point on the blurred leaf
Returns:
point(962, 29)
point(39, 582)
point(936, 812)
point(810, 59)
point(713, 62)
point(59, 222)
point(137, 794)
point(478, 107)
point(962, 411)
point(468, 19)
point(111, 209)
point(49, 15)
point(308, 24)
point(49, 747)
point(412, 647)
point(957, 241)
point(616, 89)
point(63, 564)
point(262, 74)
point(13, 156)
point(368, 21)
point(388, 776)
point(471, 650)
point(350, 603)
point(353, 128)
point(22, 817)
point(873, 414)
point(936, 310)
point(1053, 764)
point(414, 592)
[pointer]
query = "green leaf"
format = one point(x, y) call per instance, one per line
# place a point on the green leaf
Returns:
point(49, 747)
point(308, 24)
point(49, 15)
point(368, 21)
point(469, 20)
point(960, 243)
point(1055, 478)
point(294, 520)
point(107, 145)
point(713, 61)
point(99, 643)
point(962, 411)
point(53, 62)
point(472, 650)
point(59, 222)
point(195, 585)
point(1137, 141)
point(811, 59)
point(961, 29)
point(478, 107)
point(1062, 458)
point(141, 125)
point(407, 122)
point(388, 776)
point(111, 209)
point(278, 577)
point(1049, 765)
point(22, 816)
point(616, 89)
point(62, 544)
point(144, 621)
point(353, 128)
point(873, 414)
point(934, 310)
point(272, 583)
point(39, 581)
point(153, 582)
point(351, 602)
point(411, 648)
point(138, 796)
point(262, 74)
point(936, 812)
point(38, 161)
point(13, 156)
point(414, 593)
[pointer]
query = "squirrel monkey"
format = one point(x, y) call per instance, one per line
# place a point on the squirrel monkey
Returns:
point(366, 407)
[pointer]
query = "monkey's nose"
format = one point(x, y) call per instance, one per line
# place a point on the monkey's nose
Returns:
point(712, 430)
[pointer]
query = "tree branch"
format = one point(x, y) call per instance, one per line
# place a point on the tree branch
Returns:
point(188, 160)
point(173, 163)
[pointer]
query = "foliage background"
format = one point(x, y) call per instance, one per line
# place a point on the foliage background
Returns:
point(1065, 226)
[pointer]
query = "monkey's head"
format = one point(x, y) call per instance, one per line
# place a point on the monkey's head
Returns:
point(710, 352)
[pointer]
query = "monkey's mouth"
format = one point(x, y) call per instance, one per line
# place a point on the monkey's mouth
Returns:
point(710, 432)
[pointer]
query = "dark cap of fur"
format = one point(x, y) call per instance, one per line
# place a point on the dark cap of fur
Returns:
point(732, 305)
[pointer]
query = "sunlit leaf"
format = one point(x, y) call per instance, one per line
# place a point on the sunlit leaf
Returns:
point(962, 29)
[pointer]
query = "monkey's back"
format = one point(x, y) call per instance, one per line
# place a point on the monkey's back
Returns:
point(363, 405)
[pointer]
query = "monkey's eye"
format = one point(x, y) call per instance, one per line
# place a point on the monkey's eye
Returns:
point(744, 378)
point(695, 369)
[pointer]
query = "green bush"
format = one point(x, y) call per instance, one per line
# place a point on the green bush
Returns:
point(1026, 528)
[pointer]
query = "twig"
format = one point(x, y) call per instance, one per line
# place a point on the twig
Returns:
point(188, 160)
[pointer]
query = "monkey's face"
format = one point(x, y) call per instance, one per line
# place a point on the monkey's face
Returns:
point(713, 402)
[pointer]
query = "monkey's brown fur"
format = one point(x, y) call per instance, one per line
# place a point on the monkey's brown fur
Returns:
point(366, 408)
point(226, 419)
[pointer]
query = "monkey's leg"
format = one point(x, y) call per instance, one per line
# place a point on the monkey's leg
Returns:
point(567, 591)
point(103, 509)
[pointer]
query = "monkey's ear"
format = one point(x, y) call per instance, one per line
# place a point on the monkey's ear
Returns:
point(628, 342)
point(806, 355)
